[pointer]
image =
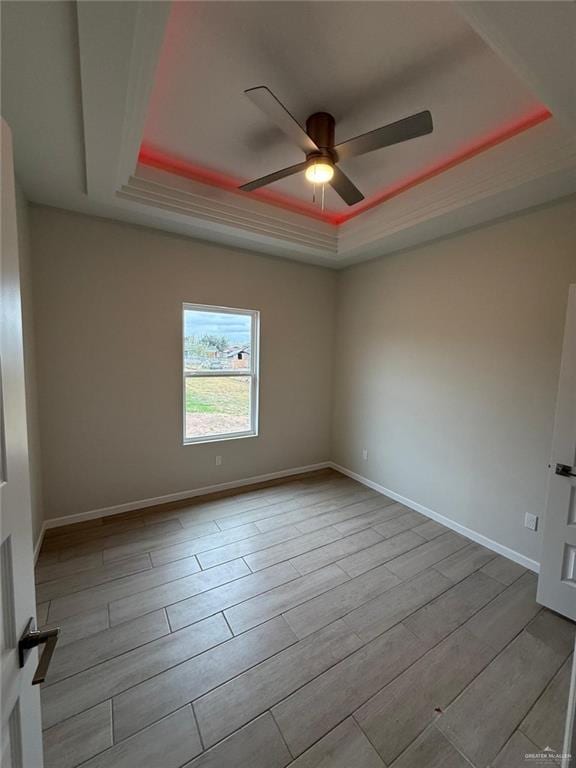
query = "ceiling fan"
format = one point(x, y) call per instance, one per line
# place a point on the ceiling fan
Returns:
point(317, 143)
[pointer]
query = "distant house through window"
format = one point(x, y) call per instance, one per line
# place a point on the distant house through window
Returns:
point(220, 348)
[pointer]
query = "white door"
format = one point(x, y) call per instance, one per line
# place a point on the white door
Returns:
point(21, 726)
point(557, 581)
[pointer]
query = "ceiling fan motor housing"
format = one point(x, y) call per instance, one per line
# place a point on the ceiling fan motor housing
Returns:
point(320, 128)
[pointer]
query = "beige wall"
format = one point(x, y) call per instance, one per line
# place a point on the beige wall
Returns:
point(108, 300)
point(445, 365)
point(448, 358)
point(24, 253)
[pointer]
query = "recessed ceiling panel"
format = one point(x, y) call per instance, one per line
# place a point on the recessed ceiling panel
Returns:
point(367, 63)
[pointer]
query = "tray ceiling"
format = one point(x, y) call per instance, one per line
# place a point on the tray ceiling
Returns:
point(367, 63)
point(158, 131)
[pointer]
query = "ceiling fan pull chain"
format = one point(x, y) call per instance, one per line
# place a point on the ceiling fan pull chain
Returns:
point(323, 188)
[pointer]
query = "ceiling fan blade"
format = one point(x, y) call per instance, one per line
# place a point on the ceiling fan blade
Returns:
point(263, 98)
point(345, 188)
point(276, 176)
point(408, 128)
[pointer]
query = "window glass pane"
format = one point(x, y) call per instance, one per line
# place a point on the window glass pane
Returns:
point(216, 341)
point(217, 405)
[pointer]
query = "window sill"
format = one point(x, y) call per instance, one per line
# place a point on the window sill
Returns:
point(218, 438)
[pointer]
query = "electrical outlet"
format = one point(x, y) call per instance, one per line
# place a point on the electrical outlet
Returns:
point(531, 521)
point(218, 461)
point(365, 454)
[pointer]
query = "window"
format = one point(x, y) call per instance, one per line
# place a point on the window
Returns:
point(220, 373)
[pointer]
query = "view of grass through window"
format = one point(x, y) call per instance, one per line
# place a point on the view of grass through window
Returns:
point(217, 343)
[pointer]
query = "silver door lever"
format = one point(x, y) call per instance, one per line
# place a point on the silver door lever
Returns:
point(30, 639)
point(564, 470)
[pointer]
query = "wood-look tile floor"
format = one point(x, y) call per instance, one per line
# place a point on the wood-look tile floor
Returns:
point(309, 623)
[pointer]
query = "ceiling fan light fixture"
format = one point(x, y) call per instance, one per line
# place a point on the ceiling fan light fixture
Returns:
point(320, 172)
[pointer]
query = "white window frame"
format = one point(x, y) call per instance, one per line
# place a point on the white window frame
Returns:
point(252, 373)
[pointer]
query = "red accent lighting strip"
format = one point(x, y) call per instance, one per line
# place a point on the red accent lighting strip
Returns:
point(155, 158)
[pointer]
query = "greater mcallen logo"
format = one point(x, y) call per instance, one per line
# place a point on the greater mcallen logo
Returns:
point(548, 756)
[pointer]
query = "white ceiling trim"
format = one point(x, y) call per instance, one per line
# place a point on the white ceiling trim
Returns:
point(534, 193)
point(139, 209)
point(150, 24)
point(119, 47)
point(532, 155)
point(248, 206)
point(204, 206)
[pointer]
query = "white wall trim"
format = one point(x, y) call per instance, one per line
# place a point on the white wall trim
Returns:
point(39, 542)
point(129, 506)
point(469, 533)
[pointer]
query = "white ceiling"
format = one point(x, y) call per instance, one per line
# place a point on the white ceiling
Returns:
point(83, 85)
point(367, 63)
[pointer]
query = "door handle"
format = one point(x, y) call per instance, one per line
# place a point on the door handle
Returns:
point(31, 639)
point(564, 470)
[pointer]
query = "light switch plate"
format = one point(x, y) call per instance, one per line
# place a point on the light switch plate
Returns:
point(531, 521)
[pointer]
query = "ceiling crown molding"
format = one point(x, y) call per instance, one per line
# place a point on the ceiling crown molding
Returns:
point(116, 86)
point(536, 154)
point(202, 203)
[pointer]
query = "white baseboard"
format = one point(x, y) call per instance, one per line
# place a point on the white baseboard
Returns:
point(479, 538)
point(57, 522)
point(38, 545)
